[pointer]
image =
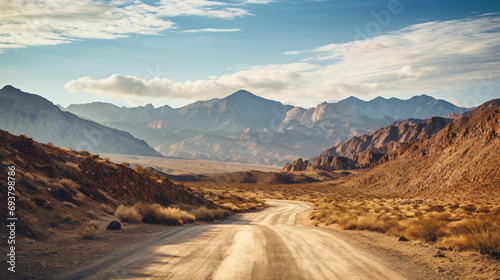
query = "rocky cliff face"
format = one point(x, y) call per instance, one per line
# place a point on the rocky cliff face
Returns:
point(362, 151)
point(463, 158)
point(32, 115)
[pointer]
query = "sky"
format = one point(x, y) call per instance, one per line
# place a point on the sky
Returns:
point(133, 52)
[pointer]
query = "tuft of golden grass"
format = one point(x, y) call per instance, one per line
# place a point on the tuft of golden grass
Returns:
point(69, 185)
point(155, 213)
point(455, 242)
point(128, 214)
point(205, 214)
point(87, 231)
point(484, 234)
point(74, 166)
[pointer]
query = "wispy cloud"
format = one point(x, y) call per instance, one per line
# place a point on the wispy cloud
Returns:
point(422, 58)
point(210, 30)
point(37, 23)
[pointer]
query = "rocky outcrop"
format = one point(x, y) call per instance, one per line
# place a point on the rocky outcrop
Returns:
point(297, 165)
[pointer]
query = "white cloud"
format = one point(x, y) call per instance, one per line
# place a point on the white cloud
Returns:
point(48, 22)
point(210, 30)
point(265, 79)
point(422, 58)
point(204, 8)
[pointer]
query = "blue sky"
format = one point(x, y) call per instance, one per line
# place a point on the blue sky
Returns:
point(298, 52)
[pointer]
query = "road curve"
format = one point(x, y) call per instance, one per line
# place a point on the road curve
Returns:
point(270, 244)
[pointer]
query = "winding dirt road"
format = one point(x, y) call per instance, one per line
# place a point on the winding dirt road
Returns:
point(270, 244)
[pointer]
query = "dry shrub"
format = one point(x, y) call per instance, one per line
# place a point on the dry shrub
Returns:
point(230, 206)
point(430, 229)
point(43, 180)
point(369, 222)
point(128, 214)
point(469, 208)
point(126, 164)
point(74, 166)
point(69, 185)
point(87, 231)
point(496, 210)
point(155, 213)
point(456, 242)
point(107, 208)
point(221, 213)
point(80, 197)
point(28, 176)
point(484, 235)
point(205, 214)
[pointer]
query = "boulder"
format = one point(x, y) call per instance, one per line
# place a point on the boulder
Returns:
point(114, 225)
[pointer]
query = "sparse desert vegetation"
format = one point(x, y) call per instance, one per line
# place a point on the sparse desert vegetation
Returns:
point(209, 215)
point(449, 225)
point(128, 214)
point(87, 231)
point(157, 214)
point(233, 200)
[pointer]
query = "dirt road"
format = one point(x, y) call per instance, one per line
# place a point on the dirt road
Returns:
point(270, 244)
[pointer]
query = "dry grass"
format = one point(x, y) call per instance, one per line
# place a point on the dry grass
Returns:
point(74, 166)
point(484, 234)
point(468, 227)
point(155, 213)
point(87, 231)
point(128, 214)
point(108, 209)
point(233, 200)
point(430, 228)
point(26, 203)
point(205, 214)
point(69, 185)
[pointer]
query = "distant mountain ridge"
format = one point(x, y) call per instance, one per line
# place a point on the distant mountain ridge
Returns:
point(418, 107)
point(252, 129)
point(38, 118)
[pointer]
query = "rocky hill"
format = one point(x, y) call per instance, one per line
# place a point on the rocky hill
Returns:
point(362, 151)
point(61, 188)
point(461, 159)
point(32, 115)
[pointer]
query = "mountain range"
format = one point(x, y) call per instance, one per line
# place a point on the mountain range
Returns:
point(246, 128)
point(32, 115)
